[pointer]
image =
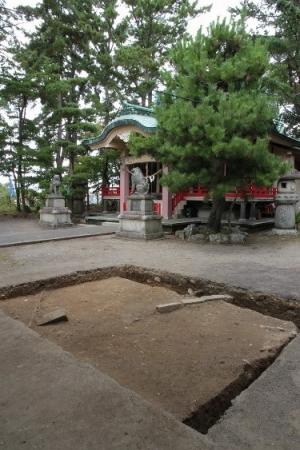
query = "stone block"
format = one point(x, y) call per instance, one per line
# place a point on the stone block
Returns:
point(206, 298)
point(168, 307)
point(55, 316)
point(282, 232)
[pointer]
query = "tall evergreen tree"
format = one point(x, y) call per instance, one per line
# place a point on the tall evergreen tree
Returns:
point(60, 52)
point(17, 153)
point(104, 74)
point(279, 21)
point(215, 115)
point(153, 28)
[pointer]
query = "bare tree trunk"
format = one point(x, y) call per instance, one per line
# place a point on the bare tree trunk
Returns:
point(215, 217)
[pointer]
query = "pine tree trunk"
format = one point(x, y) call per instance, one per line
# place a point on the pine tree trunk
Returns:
point(215, 217)
point(22, 201)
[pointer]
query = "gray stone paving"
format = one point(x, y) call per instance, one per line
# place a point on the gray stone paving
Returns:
point(51, 401)
point(40, 407)
point(267, 414)
point(24, 231)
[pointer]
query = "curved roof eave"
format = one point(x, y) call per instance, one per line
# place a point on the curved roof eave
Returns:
point(147, 124)
point(295, 143)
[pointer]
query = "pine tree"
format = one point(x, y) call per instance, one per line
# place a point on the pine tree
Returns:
point(60, 52)
point(279, 21)
point(17, 152)
point(104, 74)
point(215, 115)
point(153, 28)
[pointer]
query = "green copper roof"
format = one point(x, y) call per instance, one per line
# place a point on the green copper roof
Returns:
point(130, 114)
point(143, 118)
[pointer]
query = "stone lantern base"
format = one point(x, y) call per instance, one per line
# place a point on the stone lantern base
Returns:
point(139, 222)
point(286, 199)
point(55, 214)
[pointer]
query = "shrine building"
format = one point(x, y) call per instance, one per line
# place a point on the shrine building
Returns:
point(254, 202)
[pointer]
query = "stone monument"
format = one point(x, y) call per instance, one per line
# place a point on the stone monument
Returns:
point(139, 222)
point(286, 200)
point(55, 214)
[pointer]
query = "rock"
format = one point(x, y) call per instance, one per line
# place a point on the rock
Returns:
point(218, 238)
point(157, 279)
point(198, 237)
point(225, 238)
point(190, 230)
point(168, 307)
point(55, 316)
point(180, 234)
point(238, 238)
point(214, 238)
point(206, 298)
point(190, 291)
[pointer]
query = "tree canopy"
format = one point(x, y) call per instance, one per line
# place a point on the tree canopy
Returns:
point(279, 24)
point(215, 115)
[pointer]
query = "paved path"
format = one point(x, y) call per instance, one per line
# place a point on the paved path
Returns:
point(51, 401)
point(41, 409)
point(27, 231)
point(267, 415)
point(266, 264)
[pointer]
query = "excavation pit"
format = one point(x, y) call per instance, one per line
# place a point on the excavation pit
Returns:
point(190, 362)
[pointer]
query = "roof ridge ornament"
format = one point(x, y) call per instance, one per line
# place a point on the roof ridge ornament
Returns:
point(132, 108)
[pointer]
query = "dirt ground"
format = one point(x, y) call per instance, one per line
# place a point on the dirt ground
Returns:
point(177, 361)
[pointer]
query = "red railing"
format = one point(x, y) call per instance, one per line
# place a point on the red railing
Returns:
point(197, 191)
point(252, 191)
point(108, 191)
point(262, 192)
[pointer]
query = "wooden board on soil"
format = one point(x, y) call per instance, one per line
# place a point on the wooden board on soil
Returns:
point(177, 361)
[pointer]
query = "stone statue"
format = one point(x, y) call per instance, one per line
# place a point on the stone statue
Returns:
point(140, 184)
point(54, 185)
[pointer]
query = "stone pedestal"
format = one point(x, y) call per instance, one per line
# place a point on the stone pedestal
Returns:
point(55, 214)
point(139, 222)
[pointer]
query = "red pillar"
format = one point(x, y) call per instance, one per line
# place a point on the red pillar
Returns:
point(124, 187)
point(166, 200)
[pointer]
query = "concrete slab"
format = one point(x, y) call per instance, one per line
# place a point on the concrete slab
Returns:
point(49, 400)
point(267, 414)
point(15, 232)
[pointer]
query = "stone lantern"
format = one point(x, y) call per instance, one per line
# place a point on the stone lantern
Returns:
point(286, 200)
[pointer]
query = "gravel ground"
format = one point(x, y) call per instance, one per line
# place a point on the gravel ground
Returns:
point(266, 263)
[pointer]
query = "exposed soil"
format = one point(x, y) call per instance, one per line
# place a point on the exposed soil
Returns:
point(178, 361)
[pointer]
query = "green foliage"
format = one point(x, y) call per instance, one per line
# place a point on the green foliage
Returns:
point(153, 28)
point(215, 115)
point(7, 206)
point(99, 169)
point(297, 217)
point(60, 51)
point(279, 21)
point(17, 154)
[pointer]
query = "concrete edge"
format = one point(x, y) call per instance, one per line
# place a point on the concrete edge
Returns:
point(107, 414)
point(66, 238)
